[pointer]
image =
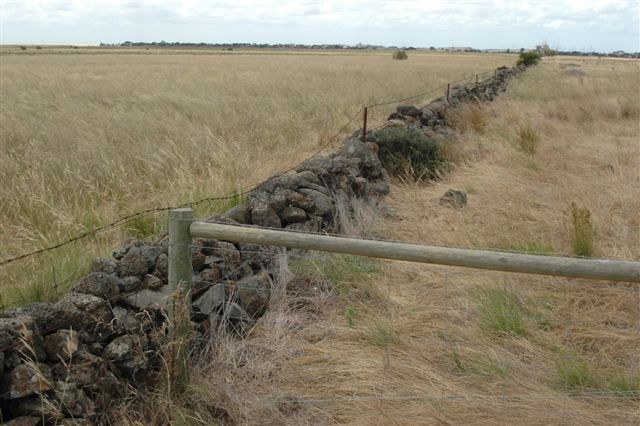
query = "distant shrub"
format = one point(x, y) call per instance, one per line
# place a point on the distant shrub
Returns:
point(400, 54)
point(23, 47)
point(528, 138)
point(39, 47)
point(529, 58)
point(583, 231)
point(406, 151)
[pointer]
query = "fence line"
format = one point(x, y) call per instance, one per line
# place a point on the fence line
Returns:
point(243, 191)
point(615, 270)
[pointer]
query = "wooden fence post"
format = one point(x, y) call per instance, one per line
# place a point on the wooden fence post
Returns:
point(448, 84)
point(179, 309)
point(364, 125)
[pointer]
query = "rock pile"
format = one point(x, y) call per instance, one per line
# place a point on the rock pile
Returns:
point(71, 359)
point(88, 348)
point(432, 118)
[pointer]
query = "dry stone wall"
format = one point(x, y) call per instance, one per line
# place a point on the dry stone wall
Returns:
point(66, 362)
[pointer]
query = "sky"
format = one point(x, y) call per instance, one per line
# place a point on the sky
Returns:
point(582, 25)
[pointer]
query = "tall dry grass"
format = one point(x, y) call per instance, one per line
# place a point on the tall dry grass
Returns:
point(402, 343)
point(87, 138)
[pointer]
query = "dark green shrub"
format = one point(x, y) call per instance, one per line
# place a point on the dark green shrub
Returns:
point(23, 47)
point(406, 151)
point(400, 54)
point(528, 58)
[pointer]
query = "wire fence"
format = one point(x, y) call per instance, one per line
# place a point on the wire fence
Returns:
point(242, 191)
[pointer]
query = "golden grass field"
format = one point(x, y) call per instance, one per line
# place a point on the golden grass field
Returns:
point(372, 342)
point(378, 343)
point(90, 137)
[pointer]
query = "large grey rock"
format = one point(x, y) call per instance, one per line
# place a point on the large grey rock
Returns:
point(263, 215)
point(101, 264)
point(148, 299)
point(313, 225)
point(20, 335)
point(131, 283)
point(136, 258)
point(293, 215)
point(25, 380)
point(152, 282)
point(409, 110)
point(42, 314)
point(322, 204)
point(99, 284)
point(229, 254)
point(120, 348)
point(197, 259)
point(126, 319)
point(162, 266)
point(206, 277)
point(74, 401)
point(210, 300)
point(254, 293)
point(238, 214)
point(235, 312)
point(453, 198)
point(61, 345)
point(128, 353)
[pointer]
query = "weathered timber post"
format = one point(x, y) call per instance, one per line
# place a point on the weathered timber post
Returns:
point(179, 304)
point(448, 84)
point(476, 81)
point(364, 126)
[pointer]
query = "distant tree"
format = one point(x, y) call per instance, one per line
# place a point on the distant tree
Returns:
point(508, 51)
point(543, 49)
point(400, 54)
point(432, 48)
point(528, 58)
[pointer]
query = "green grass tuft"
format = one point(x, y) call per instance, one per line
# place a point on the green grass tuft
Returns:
point(626, 385)
point(501, 311)
point(344, 273)
point(382, 335)
point(528, 138)
point(575, 374)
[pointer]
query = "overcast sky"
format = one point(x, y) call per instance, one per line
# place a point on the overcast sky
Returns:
point(569, 25)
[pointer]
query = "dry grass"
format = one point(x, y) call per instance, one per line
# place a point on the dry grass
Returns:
point(438, 345)
point(415, 344)
point(90, 137)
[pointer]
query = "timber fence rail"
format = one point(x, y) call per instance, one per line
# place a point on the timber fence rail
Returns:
point(474, 271)
point(443, 89)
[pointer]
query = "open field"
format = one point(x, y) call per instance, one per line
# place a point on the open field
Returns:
point(88, 138)
point(550, 167)
point(396, 343)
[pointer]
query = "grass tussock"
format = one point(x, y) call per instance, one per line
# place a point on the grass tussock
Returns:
point(405, 152)
point(469, 117)
point(576, 374)
point(345, 274)
point(381, 334)
point(502, 311)
point(582, 231)
point(528, 138)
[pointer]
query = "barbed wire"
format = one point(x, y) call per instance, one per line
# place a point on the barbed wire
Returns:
point(233, 195)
